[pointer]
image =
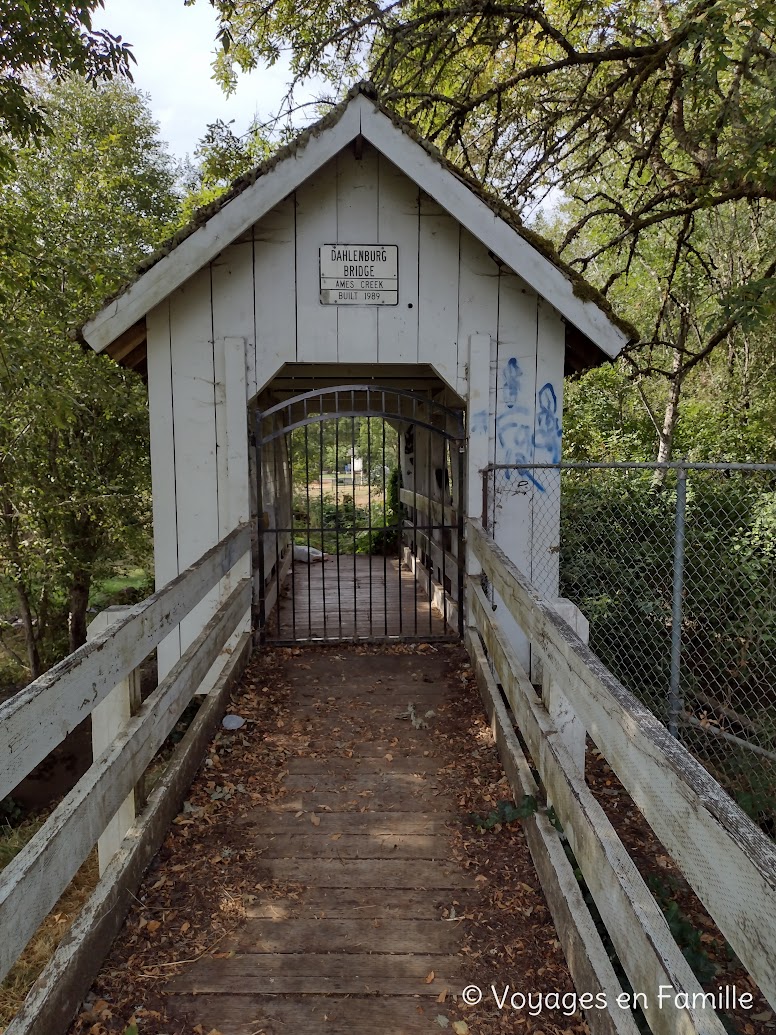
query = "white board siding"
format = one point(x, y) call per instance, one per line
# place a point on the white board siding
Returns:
point(233, 311)
point(162, 429)
point(397, 223)
point(316, 224)
point(357, 197)
point(194, 405)
point(438, 248)
point(548, 426)
point(478, 284)
point(514, 412)
point(274, 317)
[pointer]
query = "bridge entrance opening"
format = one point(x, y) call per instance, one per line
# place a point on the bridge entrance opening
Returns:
point(359, 510)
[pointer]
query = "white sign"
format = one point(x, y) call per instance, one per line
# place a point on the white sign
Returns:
point(359, 274)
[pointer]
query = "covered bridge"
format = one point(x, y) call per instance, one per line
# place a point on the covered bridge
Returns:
point(335, 351)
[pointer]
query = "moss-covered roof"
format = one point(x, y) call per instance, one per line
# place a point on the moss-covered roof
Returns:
point(581, 287)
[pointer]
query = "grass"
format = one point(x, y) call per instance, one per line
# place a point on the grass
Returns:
point(105, 592)
point(48, 936)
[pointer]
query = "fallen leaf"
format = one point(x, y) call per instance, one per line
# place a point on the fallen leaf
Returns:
point(152, 926)
point(335, 837)
point(388, 757)
point(315, 820)
point(442, 1021)
point(430, 977)
point(442, 995)
point(460, 1028)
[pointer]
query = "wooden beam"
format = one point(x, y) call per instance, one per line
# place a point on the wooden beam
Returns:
point(34, 880)
point(701, 827)
point(440, 512)
point(129, 341)
point(34, 721)
point(644, 944)
point(59, 990)
point(589, 964)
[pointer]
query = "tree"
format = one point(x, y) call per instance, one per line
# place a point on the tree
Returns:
point(663, 110)
point(55, 36)
point(83, 208)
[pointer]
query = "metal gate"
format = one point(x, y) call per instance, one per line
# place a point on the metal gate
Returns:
point(360, 517)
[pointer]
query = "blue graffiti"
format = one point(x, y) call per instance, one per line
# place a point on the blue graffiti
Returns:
point(547, 436)
point(512, 378)
point(479, 423)
point(519, 443)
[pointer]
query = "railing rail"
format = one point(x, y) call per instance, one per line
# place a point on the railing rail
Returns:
point(38, 718)
point(725, 857)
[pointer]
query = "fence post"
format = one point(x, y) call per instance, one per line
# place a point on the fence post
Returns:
point(674, 693)
point(108, 719)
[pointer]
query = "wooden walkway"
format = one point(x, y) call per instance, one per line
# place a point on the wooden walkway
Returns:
point(360, 840)
point(351, 596)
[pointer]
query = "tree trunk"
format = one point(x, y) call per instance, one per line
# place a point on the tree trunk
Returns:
point(665, 446)
point(30, 636)
point(79, 603)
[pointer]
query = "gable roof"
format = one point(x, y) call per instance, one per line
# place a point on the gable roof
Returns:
point(119, 327)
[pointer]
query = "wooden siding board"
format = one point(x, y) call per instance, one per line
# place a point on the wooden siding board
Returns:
point(398, 219)
point(438, 247)
point(163, 473)
point(275, 291)
point(357, 204)
point(316, 224)
point(478, 287)
point(194, 409)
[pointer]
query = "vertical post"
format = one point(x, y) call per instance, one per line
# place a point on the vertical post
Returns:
point(675, 694)
point(108, 719)
point(260, 589)
point(460, 504)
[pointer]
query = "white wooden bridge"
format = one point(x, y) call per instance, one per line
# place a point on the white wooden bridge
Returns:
point(257, 323)
point(729, 863)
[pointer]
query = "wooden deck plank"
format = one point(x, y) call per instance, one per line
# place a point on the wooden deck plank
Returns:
point(353, 846)
point(303, 974)
point(366, 873)
point(362, 765)
point(355, 903)
point(247, 1014)
point(379, 800)
point(373, 823)
point(346, 936)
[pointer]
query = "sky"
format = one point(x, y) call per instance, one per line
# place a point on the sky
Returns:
point(174, 47)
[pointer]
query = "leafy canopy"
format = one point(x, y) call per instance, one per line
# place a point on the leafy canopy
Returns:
point(664, 109)
point(56, 37)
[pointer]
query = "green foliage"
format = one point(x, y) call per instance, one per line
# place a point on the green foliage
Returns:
point(56, 37)
point(220, 158)
point(84, 206)
point(685, 933)
point(506, 812)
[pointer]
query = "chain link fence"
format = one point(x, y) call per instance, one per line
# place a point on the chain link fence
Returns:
point(674, 566)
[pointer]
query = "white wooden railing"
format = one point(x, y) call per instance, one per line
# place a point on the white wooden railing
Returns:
point(728, 861)
point(38, 718)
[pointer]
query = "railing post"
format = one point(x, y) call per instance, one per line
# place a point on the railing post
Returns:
point(675, 695)
point(108, 719)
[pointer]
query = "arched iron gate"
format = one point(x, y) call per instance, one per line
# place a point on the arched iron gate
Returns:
point(371, 478)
